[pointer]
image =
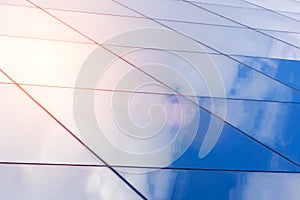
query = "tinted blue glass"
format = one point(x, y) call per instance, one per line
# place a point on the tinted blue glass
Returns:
point(286, 71)
point(248, 148)
point(274, 124)
point(258, 78)
point(205, 184)
point(233, 150)
point(242, 77)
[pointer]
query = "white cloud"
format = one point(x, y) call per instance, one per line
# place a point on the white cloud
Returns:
point(267, 186)
point(103, 184)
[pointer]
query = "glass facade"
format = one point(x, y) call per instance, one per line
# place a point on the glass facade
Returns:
point(136, 99)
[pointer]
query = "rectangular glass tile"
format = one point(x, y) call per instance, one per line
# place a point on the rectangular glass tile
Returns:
point(236, 77)
point(292, 39)
point(285, 71)
point(255, 18)
point(29, 134)
point(42, 62)
point(101, 27)
point(93, 6)
point(288, 5)
point(122, 31)
point(273, 123)
point(235, 3)
point(210, 184)
point(32, 22)
point(238, 41)
point(157, 9)
point(77, 183)
point(293, 15)
point(151, 130)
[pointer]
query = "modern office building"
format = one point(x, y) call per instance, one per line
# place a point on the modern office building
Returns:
point(136, 99)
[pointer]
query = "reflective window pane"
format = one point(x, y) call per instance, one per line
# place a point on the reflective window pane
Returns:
point(54, 182)
point(236, 3)
point(93, 6)
point(293, 15)
point(288, 5)
point(277, 126)
point(149, 99)
point(283, 70)
point(156, 9)
point(29, 134)
point(255, 18)
point(250, 42)
point(46, 63)
point(170, 184)
point(33, 23)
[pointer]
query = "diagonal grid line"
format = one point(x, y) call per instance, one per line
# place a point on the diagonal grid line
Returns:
point(206, 110)
point(46, 164)
point(68, 129)
point(278, 12)
point(247, 27)
point(160, 19)
point(140, 47)
point(74, 136)
point(150, 93)
point(214, 49)
point(126, 61)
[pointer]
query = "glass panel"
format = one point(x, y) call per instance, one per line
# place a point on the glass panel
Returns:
point(57, 100)
point(122, 31)
point(203, 184)
point(237, 41)
point(237, 3)
point(271, 20)
point(283, 70)
point(95, 6)
point(134, 129)
point(275, 124)
point(232, 150)
point(31, 22)
point(290, 38)
point(46, 63)
point(199, 74)
point(157, 9)
point(4, 79)
point(29, 134)
point(296, 16)
point(288, 5)
point(15, 2)
point(242, 81)
point(76, 183)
